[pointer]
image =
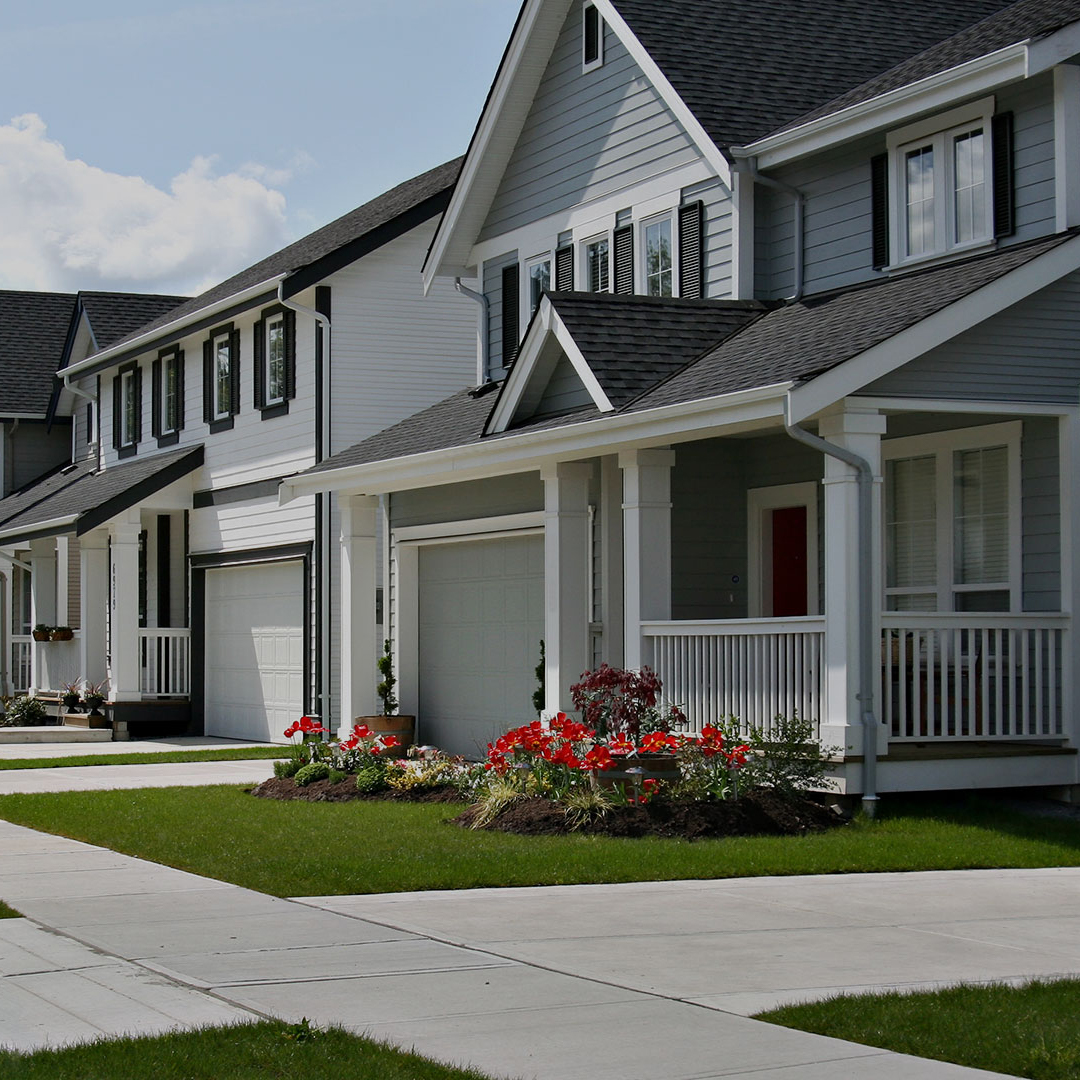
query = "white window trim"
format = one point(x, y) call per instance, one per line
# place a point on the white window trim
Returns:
point(641, 273)
point(215, 345)
point(127, 387)
point(938, 131)
point(166, 427)
point(592, 65)
point(942, 445)
point(278, 317)
point(758, 502)
point(527, 310)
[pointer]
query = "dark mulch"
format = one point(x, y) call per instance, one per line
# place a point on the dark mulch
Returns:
point(345, 791)
point(758, 813)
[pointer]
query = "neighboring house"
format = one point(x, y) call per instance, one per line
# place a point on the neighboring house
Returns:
point(205, 604)
point(759, 250)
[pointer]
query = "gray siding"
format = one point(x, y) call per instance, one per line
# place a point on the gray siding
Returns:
point(33, 450)
point(587, 135)
point(1028, 352)
point(565, 391)
point(518, 494)
point(493, 269)
point(718, 235)
point(837, 189)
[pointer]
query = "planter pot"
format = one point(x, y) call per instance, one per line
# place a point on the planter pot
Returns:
point(93, 704)
point(61, 635)
point(40, 635)
point(70, 701)
point(404, 727)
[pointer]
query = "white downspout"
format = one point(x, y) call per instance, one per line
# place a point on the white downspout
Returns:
point(482, 375)
point(324, 390)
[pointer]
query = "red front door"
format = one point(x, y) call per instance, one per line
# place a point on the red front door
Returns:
point(789, 561)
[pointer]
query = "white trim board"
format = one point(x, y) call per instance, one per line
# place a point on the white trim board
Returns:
point(758, 501)
point(466, 529)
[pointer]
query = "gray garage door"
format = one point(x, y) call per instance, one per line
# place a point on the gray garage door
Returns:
point(481, 620)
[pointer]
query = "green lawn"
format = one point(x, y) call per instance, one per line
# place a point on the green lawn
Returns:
point(231, 753)
point(312, 849)
point(7, 912)
point(1032, 1030)
point(266, 1051)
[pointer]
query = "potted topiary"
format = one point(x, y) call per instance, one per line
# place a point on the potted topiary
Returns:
point(41, 632)
point(61, 633)
point(389, 721)
point(94, 696)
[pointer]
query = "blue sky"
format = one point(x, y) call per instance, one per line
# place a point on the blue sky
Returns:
point(163, 146)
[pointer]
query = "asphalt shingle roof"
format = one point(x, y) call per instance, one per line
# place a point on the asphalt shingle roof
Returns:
point(748, 67)
point(115, 315)
point(349, 227)
point(793, 342)
point(33, 329)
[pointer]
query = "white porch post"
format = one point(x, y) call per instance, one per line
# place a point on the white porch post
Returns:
point(646, 544)
point(359, 648)
point(124, 680)
point(93, 603)
point(1069, 442)
point(42, 604)
point(566, 580)
point(611, 561)
point(860, 431)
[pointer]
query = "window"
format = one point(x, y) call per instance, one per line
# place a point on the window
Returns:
point(275, 349)
point(592, 38)
point(949, 185)
point(221, 377)
point(539, 272)
point(597, 264)
point(127, 410)
point(952, 520)
point(659, 263)
point(168, 396)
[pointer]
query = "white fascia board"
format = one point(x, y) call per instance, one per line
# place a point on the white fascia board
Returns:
point(60, 524)
point(1045, 53)
point(709, 150)
point(725, 414)
point(131, 344)
point(934, 330)
point(964, 405)
point(978, 76)
point(496, 133)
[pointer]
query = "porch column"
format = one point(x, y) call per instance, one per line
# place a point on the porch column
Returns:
point(124, 681)
point(860, 431)
point(42, 605)
point(359, 647)
point(566, 580)
point(646, 544)
point(93, 604)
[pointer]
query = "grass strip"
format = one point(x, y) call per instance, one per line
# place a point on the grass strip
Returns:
point(265, 1051)
point(1031, 1030)
point(8, 912)
point(231, 753)
point(319, 849)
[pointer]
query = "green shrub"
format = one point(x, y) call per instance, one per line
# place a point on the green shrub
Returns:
point(371, 778)
point(24, 711)
point(335, 776)
point(317, 770)
point(786, 757)
point(289, 767)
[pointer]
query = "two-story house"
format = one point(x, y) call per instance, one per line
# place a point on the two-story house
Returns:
point(203, 603)
point(782, 362)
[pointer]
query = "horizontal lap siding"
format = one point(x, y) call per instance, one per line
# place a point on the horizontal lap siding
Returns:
point(1032, 106)
point(587, 135)
point(33, 450)
point(718, 235)
point(256, 523)
point(565, 391)
point(1029, 352)
point(1041, 515)
point(518, 494)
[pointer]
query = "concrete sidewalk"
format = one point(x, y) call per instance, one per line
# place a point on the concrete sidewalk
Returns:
point(603, 982)
point(15, 751)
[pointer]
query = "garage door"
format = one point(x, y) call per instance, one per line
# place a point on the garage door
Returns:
point(481, 618)
point(254, 650)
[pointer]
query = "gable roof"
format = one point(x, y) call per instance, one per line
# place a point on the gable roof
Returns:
point(787, 345)
point(115, 315)
point(33, 329)
point(311, 258)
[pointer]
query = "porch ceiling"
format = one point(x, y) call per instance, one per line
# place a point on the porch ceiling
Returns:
point(78, 498)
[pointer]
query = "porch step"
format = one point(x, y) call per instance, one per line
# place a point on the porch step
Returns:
point(55, 734)
point(85, 720)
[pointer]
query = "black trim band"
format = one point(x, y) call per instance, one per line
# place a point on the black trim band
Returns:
point(282, 553)
point(256, 489)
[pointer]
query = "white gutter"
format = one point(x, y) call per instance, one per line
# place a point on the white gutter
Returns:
point(521, 453)
point(42, 526)
point(133, 344)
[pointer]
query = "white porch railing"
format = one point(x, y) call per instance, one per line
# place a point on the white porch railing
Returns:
point(21, 662)
point(165, 662)
point(754, 669)
point(972, 676)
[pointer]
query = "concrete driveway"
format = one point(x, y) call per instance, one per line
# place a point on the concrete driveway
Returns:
point(602, 982)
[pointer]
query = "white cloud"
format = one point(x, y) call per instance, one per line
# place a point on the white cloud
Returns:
point(68, 225)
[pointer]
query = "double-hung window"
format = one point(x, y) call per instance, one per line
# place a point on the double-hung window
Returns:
point(659, 266)
point(598, 264)
point(168, 395)
point(127, 410)
point(223, 362)
point(275, 365)
point(952, 520)
point(221, 377)
point(538, 271)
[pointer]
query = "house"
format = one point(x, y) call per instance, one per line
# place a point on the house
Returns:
point(38, 330)
point(782, 368)
point(204, 604)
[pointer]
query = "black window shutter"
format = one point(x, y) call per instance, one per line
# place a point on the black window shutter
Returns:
point(155, 398)
point(511, 303)
point(89, 422)
point(180, 404)
point(692, 250)
point(208, 381)
point(116, 406)
point(258, 352)
point(1001, 128)
point(879, 210)
point(290, 354)
point(137, 380)
point(564, 268)
point(234, 372)
point(624, 259)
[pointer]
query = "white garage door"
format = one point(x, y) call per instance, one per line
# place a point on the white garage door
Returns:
point(481, 619)
point(254, 650)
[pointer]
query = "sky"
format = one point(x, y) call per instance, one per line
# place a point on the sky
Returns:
point(154, 146)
